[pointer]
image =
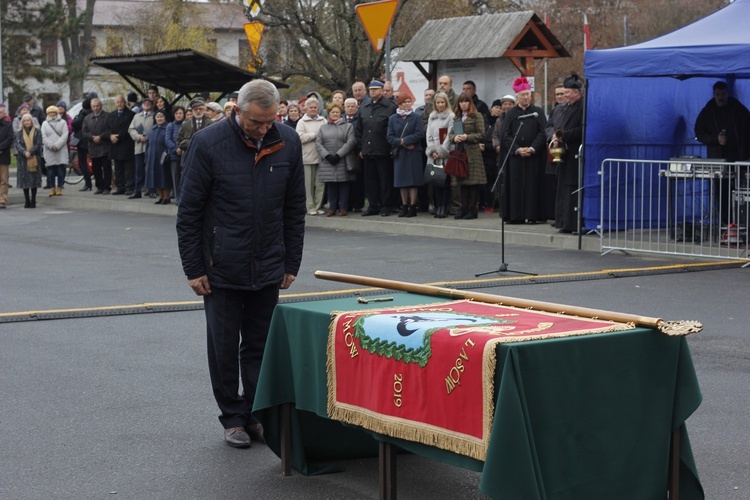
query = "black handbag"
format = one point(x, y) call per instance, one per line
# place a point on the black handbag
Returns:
point(434, 173)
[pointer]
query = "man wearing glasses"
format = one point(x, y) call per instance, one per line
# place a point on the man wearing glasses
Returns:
point(240, 229)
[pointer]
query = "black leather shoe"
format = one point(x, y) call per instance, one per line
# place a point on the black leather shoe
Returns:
point(152, 195)
point(85, 188)
point(134, 196)
point(128, 192)
point(256, 433)
point(158, 202)
point(236, 437)
point(107, 191)
point(166, 202)
point(119, 191)
point(368, 212)
point(99, 191)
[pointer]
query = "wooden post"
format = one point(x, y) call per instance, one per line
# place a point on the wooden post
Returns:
point(286, 439)
point(387, 471)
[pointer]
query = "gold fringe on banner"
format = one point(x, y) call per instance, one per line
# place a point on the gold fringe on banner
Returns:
point(427, 434)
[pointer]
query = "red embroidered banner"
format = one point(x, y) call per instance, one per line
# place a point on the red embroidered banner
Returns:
point(425, 373)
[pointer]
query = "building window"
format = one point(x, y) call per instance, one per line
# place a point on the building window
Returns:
point(114, 46)
point(48, 49)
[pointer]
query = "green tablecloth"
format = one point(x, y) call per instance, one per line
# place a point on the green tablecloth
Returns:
point(577, 418)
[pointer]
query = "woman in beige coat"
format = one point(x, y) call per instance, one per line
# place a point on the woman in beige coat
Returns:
point(308, 128)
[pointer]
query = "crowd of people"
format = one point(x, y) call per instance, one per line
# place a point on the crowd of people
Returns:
point(366, 153)
point(134, 151)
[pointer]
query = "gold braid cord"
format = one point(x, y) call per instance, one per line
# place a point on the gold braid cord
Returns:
point(680, 328)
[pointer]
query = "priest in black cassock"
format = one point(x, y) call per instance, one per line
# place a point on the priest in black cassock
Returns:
point(522, 186)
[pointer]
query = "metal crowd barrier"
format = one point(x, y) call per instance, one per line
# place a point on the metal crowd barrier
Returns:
point(683, 206)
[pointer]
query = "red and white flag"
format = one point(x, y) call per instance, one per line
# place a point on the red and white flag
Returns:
point(586, 34)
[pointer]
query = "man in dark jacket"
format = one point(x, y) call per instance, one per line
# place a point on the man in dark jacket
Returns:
point(122, 147)
point(240, 230)
point(95, 135)
point(375, 151)
point(6, 143)
point(197, 122)
point(724, 126)
point(82, 148)
point(569, 133)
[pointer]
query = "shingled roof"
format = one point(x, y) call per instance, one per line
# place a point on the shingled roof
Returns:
point(479, 37)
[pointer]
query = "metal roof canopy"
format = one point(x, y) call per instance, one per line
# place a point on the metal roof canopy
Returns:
point(184, 71)
point(519, 36)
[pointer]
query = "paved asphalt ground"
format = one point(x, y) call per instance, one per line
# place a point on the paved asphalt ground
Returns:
point(119, 406)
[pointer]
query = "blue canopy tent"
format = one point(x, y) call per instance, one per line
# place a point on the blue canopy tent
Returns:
point(642, 100)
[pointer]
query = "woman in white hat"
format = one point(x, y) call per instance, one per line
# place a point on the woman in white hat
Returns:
point(55, 141)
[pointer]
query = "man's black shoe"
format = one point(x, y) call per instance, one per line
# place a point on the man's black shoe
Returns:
point(236, 437)
point(368, 212)
point(134, 196)
point(107, 191)
point(99, 191)
point(119, 191)
point(128, 192)
point(256, 433)
point(152, 195)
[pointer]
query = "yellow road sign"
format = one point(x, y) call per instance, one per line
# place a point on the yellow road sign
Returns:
point(376, 18)
point(254, 33)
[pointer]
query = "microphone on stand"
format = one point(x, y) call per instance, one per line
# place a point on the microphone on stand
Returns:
point(530, 115)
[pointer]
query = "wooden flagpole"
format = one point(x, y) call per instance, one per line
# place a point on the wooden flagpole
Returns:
point(674, 328)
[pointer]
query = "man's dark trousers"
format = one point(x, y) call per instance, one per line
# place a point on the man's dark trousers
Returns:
point(237, 322)
point(378, 174)
point(102, 172)
point(125, 174)
point(140, 171)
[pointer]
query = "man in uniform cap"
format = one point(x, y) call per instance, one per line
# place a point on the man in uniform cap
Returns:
point(374, 149)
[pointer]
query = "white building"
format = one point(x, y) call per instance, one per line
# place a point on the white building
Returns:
point(117, 29)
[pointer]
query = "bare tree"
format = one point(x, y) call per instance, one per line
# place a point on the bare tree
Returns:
point(62, 20)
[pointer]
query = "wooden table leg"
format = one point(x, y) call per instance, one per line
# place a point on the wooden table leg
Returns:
point(673, 491)
point(387, 471)
point(286, 439)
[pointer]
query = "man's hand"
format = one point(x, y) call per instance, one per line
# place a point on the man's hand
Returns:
point(723, 137)
point(200, 285)
point(287, 282)
point(113, 138)
point(97, 139)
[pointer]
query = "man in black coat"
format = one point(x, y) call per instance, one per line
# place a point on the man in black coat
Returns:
point(82, 148)
point(371, 131)
point(528, 155)
point(95, 134)
point(122, 147)
point(570, 133)
point(724, 126)
point(6, 143)
point(240, 231)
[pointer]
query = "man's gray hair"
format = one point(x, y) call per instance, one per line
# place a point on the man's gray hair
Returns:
point(95, 99)
point(262, 93)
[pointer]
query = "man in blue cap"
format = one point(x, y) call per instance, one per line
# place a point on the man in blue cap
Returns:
point(375, 151)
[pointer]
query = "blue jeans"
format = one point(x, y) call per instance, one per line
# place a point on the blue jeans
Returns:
point(56, 172)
